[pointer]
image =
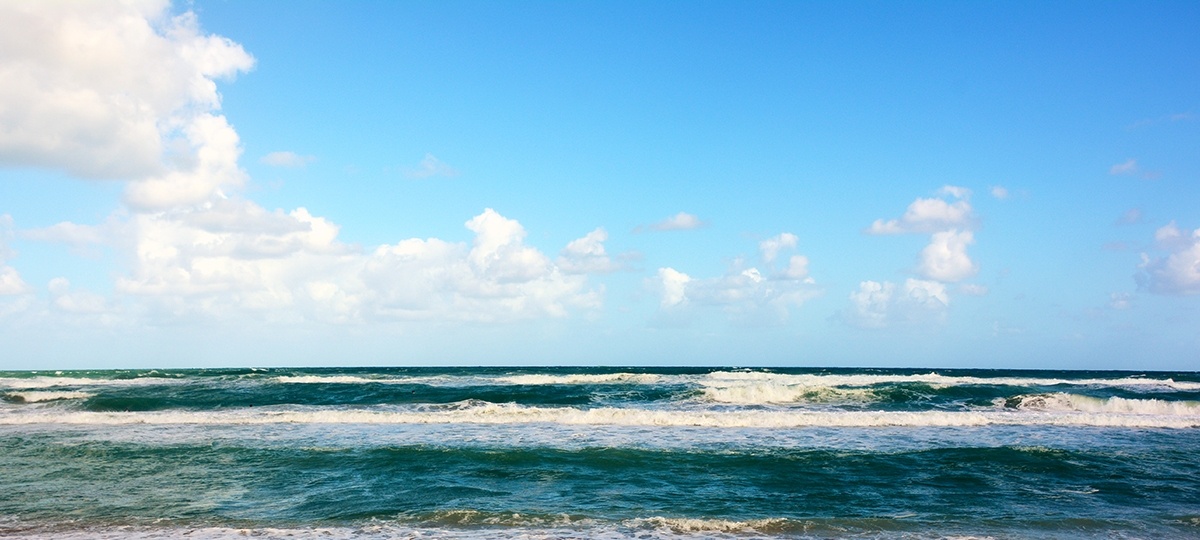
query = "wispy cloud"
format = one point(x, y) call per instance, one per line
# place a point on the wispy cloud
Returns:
point(682, 221)
point(1130, 217)
point(429, 167)
point(1164, 119)
point(1130, 166)
point(286, 159)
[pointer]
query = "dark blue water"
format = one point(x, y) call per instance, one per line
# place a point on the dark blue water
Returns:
point(599, 453)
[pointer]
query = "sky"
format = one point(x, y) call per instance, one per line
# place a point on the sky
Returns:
point(896, 184)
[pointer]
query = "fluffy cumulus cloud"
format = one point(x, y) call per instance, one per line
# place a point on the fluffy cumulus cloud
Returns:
point(119, 90)
point(1174, 269)
point(930, 215)
point(232, 258)
point(946, 259)
point(950, 227)
point(587, 255)
point(745, 291)
point(127, 90)
point(950, 221)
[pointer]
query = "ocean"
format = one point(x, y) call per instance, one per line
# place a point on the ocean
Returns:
point(608, 453)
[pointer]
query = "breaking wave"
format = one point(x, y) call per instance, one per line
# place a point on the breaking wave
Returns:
point(583, 378)
point(507, 413)
point(1063, 402)
point(719, 378)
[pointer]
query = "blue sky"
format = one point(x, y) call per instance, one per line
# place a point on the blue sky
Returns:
point(932, 184)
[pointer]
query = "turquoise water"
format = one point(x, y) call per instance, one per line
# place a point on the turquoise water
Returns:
point(599, 453)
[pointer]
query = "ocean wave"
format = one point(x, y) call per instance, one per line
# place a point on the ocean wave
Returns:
point(1060, 401)
point(45, 381)
point(728, 378)
point(36, 397)
point(497, 414)
point(767, 393)
point(582, 378)
point(699, 525)
point(339, 379)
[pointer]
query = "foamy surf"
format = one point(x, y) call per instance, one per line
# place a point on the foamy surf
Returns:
point(510, 414)
point(727, 378)
point(574, 453)
point(1060, 401)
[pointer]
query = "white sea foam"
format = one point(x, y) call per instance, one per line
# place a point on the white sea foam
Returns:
point(337, 379)
point(694, 525)
point(56, 382)
point(582, 378)
point(768, 393)
point(497, 414)
point(1060, 401)
point(35, 397)
point(728, 378)
point(643, 530)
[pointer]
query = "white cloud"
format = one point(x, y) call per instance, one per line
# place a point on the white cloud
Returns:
point(880, 305)
point(797, 267)
point(871, 303)
point(930, 215)
point(239, 258)
point(213, 171)
point(1130, 166)
point(674, 285)
point(771, 246)
point(679, 222)
point(1120, 301)
point(587, 255)
point(286, 159)
point(230, 259)
point(946, 259)
point(958, 192)
point(999, 192)
point(431, 166)
point(745, 291)
point(139, 102)
point(11, 283)
point(1178, 271)
point(116, 83)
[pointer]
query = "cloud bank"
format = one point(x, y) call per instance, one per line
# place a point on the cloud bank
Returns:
point(127, 91)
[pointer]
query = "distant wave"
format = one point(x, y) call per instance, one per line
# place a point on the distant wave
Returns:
point(56, 382)
point(727, 378)
point(583, 378)
point(345, 379)
point(35, 397)
point(492, 413)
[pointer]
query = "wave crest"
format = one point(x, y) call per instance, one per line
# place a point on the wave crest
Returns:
point(1064, 402)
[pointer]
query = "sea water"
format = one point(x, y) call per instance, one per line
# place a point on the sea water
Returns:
point(655, 453)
